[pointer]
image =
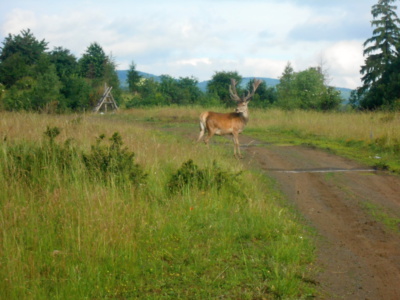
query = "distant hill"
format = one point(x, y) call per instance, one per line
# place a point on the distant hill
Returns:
point(122, 75)
point(346, 93)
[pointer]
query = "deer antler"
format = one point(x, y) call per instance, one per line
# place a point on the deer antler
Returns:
point(232, 91)
point(256, 83)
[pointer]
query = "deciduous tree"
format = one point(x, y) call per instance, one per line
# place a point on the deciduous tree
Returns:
point(219, 85)
point(306, 90)
point(264, 96)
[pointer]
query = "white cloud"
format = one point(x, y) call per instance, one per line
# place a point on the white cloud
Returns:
point(194, 62)
point(18, 20)
point(344, 60)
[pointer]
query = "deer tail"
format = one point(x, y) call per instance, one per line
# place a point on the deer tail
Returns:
point(203, 120)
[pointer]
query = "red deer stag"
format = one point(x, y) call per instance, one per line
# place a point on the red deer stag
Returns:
point(228, 123)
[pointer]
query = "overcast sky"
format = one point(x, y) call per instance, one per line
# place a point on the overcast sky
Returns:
point(184, 38)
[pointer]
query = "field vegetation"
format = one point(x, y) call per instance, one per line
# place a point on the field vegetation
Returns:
point(371, 138)
point(108, 206)
point(124, 206)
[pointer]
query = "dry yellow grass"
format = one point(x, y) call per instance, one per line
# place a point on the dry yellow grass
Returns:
point(366, 126)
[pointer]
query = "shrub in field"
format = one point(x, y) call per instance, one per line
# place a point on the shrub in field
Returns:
point(52, 133)
point(189, 175)
point(113, 162)
point(30, 162)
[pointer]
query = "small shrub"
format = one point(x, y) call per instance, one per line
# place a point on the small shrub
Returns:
point(52, 133)
point(189, 176)
point(113, 162)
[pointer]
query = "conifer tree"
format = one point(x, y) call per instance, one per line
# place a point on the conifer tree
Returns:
point(133, 78)
point(19, 55)
point(285, 87)
point(382, 51)
point(93, 62)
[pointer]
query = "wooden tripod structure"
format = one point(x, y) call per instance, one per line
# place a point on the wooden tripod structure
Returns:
point(106, 99)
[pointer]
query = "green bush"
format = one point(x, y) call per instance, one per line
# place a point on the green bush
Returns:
point(113, 162)
point(31, 162)
point(189, 176)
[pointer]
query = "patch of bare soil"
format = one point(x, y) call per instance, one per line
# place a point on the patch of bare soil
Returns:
point(359, 257)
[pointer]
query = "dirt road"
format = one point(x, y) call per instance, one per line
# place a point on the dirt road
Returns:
point(359, 257)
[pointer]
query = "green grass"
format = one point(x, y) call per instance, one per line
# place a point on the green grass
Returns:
point(382, 216)
point(371, 138)
point(364, 152)
point(72, 228)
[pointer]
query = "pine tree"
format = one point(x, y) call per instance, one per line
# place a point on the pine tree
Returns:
point(382, 51)
point(285, 88)
point(19, 55)
point(93, 62)
point(133, 78)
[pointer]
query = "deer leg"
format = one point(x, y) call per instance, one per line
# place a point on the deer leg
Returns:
point(209, 136)
point(236, 145)
point(200, 135)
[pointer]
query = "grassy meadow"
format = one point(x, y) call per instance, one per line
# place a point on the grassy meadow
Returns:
point(121, 206)
point(109, 206)
point(372, 138)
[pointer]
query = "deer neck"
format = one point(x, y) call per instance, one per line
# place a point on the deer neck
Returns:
point(244, 114)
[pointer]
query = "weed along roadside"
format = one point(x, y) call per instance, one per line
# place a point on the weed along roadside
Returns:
point(100, 207)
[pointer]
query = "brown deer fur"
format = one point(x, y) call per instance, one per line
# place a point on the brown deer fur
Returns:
point(228, 123)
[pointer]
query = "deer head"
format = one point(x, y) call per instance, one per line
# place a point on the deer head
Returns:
point(242, 101)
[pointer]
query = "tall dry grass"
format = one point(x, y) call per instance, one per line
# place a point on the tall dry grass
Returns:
point(356, 126)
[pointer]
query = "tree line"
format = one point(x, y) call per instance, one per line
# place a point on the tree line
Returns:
point(185, 91)
point(34, 78)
